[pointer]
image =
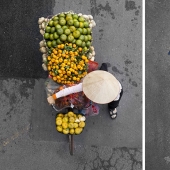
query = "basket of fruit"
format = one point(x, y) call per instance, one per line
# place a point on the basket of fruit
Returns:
point(67, 46)
point(70, 123)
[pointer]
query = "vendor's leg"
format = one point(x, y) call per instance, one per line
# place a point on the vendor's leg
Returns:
point(113, 105)
point(103, 67)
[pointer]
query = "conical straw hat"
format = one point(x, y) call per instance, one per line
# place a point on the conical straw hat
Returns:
point(101, 86)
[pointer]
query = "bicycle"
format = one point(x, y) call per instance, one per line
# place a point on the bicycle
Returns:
point(70, 136)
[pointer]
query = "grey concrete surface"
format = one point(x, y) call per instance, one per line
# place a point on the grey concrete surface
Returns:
point(20, 37)
point(157, 85)
point(28, 139)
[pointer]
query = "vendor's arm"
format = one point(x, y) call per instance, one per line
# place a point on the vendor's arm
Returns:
point(70, 90)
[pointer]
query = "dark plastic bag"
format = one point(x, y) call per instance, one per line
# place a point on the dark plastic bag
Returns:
point(92, 66)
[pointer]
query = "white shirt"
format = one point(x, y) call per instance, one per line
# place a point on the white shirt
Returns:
point(78, 88)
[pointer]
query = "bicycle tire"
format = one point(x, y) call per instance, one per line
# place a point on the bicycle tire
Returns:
point(71, 144)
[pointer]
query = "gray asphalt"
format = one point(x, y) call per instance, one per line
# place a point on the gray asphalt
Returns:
point(157, 85)
point(28, 139)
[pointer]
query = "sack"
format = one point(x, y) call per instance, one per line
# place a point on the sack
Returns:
point(91, 110)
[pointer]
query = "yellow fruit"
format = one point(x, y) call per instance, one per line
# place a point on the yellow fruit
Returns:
point(71, 119)
point(70, 114)
point(71, 125)
point(79, 116)
point(60, 115)
point(58, 122)
point(64, 125)
point(59, 128)
point(75, 116)
point(78, 130)
point(72, 131)
point(82, 124)
point(59, 118)
point(65, 119)
point(76, 125)
point(66, 131)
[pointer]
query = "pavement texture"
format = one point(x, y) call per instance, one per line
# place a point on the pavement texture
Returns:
point(157, 85)
point(28, 139)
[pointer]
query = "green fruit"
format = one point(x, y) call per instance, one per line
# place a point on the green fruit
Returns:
point(85, 49)
point(55, 18)
point(75, 20)
point(86, 38)
point(89, 37)
point(54, 43)
point(74, 41)
point(80, 29)
point(86, 24)
point(81, 37)
point(49, 44)
point(79, 43)
point(68, 17)
point(75, 16)
point(88, 43)
point(76, 34)
point(88, 30)
point(72, 28)
point(55, 35)
point(81, 19)
point(52, 29)
point(61, 15)
point(61, 18)
point(55, 23)
point(83, 44)
point(63, 37)
point(70, 38)
point(51, 37)
point(67, 31)
point(84, 31)
point(46, 36)
point(70, 22)
point(64, 27)
point(48, 29)
point(59, 41)
point(62, 21)
point(51, 23)
point(60, 31)
point(76, 24)
point(57, 26)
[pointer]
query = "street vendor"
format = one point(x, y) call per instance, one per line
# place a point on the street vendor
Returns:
point(99, 86)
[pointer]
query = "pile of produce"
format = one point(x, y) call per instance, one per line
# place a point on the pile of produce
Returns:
point(67, 46)
point(70, 123)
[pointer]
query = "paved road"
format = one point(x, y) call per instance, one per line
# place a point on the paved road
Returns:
point(28, 139)
point(157, 85)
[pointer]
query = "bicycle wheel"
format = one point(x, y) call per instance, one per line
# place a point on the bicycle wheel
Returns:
point(71, 144)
